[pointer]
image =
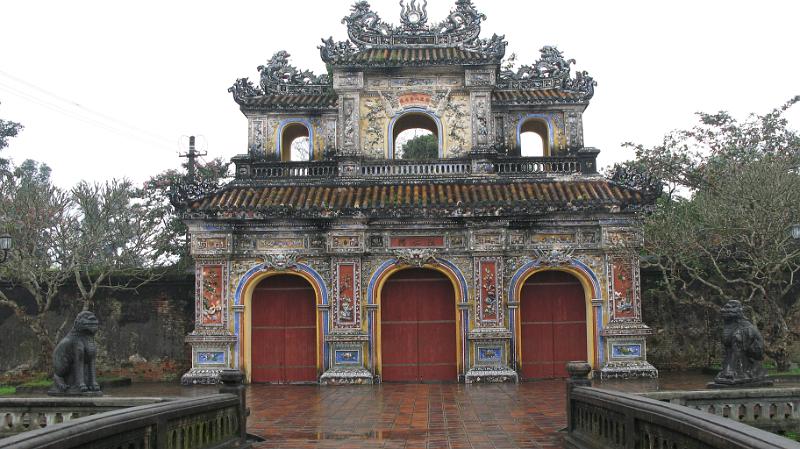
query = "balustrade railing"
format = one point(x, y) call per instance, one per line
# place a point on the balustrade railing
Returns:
point(247, 168)
point(771, 409)
point(415, 168)
point(603, 419)
point(535, 165)
point(215, 421)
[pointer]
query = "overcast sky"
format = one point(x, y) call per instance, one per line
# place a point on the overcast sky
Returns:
point(107, 89)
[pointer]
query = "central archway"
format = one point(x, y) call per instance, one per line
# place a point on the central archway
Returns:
point(283, 341)
point(418, 327)
point(415, 119)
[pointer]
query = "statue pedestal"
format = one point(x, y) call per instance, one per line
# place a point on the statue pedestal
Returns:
point(749, 383)
point(74, 393)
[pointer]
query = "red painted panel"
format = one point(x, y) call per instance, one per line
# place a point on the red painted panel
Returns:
point(418, 327)
point(553, 315)
point(284, 331)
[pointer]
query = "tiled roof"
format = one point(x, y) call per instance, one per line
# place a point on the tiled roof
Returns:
point(508, 198)
point(537, 96)
point(290, 101)
point(414, 56)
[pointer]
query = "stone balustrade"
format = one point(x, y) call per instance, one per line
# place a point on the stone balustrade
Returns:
point(503, 166)
point(22, 414)
point(215, 421)
point(771, 409)
point(604, 419)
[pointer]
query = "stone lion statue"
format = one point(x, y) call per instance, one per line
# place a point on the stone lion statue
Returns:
point(74, 358)
point(743, 349)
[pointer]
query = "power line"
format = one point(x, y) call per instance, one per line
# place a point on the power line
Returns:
point(82, 118)
point(77, 105)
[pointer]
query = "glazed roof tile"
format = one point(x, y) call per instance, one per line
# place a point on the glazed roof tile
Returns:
point(507, 198)
point(392, 57)
point(537, 96)
point(291, 101)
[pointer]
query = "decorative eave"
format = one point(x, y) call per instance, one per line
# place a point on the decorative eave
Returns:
point(507, 97)
point(477, 198)
point(298, 102)
point(404, 57)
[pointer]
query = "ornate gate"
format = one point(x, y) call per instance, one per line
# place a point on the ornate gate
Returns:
point(284, 331)
point(553, 312)
point(418, 327)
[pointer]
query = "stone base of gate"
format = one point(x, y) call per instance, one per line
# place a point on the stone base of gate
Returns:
point(638, 369)
point(201, 376)
point(346, 376)
point(490, 374)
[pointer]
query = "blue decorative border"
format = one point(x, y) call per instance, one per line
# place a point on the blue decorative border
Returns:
point(302, 121)
point(415, 110)
point(210, 358)
point(596, 293)
point(237, 300)
point(634, 348)
point(489, 354)
point(347, 357)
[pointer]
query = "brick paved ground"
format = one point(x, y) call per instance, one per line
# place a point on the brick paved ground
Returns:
point(408, 416)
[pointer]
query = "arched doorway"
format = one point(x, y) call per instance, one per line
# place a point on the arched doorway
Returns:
point(296, 143)
point(553, 324)
point(415, 135)
point(418, 327)
point(283, 342)
point(534, 138)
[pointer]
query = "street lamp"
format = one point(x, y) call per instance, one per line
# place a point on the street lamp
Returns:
point(5, 246)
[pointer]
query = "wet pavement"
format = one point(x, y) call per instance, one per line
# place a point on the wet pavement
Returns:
point(411, 416)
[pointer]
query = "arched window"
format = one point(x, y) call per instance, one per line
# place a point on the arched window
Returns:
point(296, 143)
point(415, 135)
point(534, 138)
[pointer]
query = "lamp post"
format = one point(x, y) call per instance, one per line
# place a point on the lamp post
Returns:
point(5, 246)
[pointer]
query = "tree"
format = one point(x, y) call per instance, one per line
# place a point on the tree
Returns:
point(172, 242)
point(7, 129)
point(722, 230)
point(115, 240)
point(421, 147)
point(38, 216)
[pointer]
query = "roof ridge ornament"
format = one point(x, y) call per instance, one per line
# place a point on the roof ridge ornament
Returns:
point(413, 17)
point(278, 77)
point(550, 71)
point(460, 29)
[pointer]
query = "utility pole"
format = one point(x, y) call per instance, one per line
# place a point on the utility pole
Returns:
point(192, 155)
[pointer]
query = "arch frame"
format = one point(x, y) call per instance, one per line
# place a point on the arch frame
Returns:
point(548, 121)
point(242, 305)
point(414, 110)
point(295, 121)
point(375, 287)
point(593, 299)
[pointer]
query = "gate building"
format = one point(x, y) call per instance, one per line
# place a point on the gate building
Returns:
point(339, 255)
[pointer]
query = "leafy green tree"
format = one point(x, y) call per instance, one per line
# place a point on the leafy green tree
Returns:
point(7, 129)
point(722, 230)
point(421, 147)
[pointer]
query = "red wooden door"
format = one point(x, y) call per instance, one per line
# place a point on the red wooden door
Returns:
point(418, 327)
point(553, 311)
point(284, 331)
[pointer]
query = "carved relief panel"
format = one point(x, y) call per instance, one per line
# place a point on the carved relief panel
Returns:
point(211, 244)
point(211, 282)
point(481, 117)
point(623, 288)
point(488, 278)
point(350, 118)
point(347, 295)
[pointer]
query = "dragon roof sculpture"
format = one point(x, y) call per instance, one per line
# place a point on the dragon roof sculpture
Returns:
point(366, 31)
